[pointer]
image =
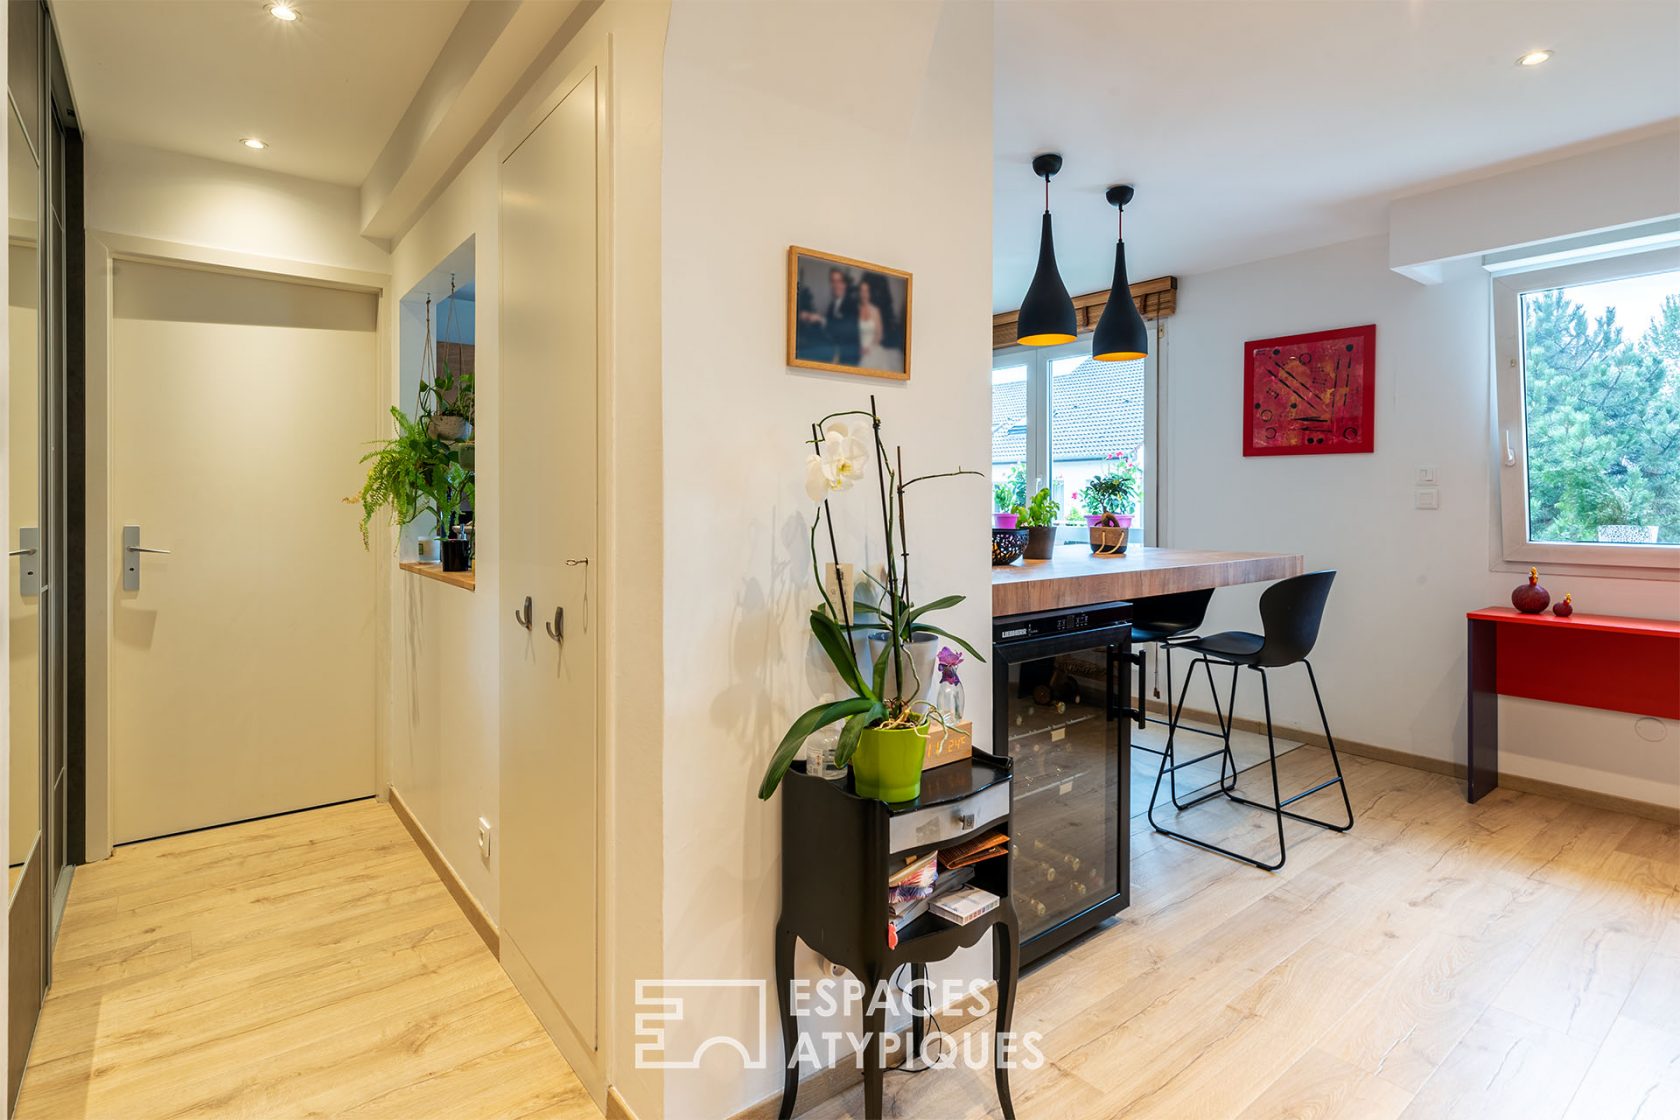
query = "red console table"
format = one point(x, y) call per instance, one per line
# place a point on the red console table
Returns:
point(1590, 660)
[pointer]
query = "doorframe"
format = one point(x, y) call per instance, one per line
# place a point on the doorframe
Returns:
point(103, 249)
point(590, 1064)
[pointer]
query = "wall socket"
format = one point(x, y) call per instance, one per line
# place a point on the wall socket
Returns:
point(484, 838)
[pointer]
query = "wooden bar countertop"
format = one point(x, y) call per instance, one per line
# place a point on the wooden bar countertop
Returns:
point(1076, 578)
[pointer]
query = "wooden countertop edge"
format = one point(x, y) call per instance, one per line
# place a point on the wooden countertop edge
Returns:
point(1046, 591)
point(464, 580)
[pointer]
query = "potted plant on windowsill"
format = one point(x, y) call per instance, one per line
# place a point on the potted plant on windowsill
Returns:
point(413, 473)
point(885, 720)
point(1038, 518)
point(1113, 493)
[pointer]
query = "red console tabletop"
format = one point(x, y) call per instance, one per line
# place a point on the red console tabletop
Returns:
point(1589, 660)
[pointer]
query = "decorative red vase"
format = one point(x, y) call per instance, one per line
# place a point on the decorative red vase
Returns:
point(1531, 598)
point(1565, 608)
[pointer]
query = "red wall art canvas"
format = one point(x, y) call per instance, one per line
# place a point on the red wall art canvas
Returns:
point(1311, 394)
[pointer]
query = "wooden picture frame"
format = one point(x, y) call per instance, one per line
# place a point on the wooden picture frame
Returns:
point(830, 329)
point(1311, 394)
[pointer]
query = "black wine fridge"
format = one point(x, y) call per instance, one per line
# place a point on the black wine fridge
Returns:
point(1062, 711)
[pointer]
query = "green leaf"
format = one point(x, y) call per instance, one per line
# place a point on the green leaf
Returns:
point(818, 717)
point(839, 650)
point(853, 731)
point(929, 628)
point(944, 604)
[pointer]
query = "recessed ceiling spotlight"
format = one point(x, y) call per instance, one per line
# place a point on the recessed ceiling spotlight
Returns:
point(1533, 58)
point(283, 12)
point(253, 143)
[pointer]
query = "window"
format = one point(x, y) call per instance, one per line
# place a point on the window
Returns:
point(1060, 419)
point(1588, 382)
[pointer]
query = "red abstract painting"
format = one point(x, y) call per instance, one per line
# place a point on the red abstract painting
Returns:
point(1311, 394)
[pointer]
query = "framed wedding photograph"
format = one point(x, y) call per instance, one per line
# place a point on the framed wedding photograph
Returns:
point(847, 316)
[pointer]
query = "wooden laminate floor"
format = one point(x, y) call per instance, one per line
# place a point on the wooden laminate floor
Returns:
point(303, 966)
point(1515, 958)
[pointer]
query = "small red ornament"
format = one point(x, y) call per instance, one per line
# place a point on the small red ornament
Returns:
point(1565, 608)
point(1531, 598)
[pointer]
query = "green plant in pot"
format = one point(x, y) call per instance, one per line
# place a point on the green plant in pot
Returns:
point(884, 721)
point(448, 401)
point(414, 473)
point(1038, 518)
point(1112, 493)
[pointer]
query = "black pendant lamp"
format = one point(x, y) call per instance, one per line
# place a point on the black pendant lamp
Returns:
point(1047, 315)
point(1121, 335)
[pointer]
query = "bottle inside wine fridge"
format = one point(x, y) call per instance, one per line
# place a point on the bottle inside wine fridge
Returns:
point(1062, 711)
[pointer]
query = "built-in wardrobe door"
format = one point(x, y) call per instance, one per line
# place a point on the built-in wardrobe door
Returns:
point(550, 768)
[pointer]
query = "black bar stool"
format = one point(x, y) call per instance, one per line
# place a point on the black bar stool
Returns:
point(1166, 621)
point(1290, 613)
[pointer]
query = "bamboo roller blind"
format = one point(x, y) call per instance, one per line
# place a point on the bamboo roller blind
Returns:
point(1156, 299)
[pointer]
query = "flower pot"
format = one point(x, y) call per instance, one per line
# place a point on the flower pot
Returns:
point(920, 658)
point(1108, 540)
point(451, 429)
point(1124, 520)
point(1005, 520)
point(1041, 542)
point(457, 554)
point(1094, 518)
point(887, 764)
point(1007, 546)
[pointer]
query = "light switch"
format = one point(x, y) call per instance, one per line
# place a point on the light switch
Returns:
point(1427, 497)
point(1426, 476)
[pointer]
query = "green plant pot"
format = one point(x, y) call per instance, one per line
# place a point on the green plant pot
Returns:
point(887, 764)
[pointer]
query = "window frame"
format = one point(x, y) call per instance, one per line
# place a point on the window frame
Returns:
point(1038, 360)
point(1511, 419)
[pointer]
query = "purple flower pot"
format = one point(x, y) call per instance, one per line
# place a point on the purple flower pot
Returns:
point(1124, 520)
point(1093, 519)
point(1004, 520)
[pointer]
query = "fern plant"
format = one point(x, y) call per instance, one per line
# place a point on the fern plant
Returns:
point(410, 474)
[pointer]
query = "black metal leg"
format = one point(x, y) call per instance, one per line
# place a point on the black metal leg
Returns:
point(790, 1025)
point(921, 1004)
point(874, 1042)
point(1334, 759)
point(1006, 956)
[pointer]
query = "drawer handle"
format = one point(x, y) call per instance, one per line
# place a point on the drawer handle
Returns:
point(965, 819)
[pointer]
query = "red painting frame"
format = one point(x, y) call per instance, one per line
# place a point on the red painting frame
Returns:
point(1350, 429)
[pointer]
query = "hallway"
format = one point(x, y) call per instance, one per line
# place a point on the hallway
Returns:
point(305, 965)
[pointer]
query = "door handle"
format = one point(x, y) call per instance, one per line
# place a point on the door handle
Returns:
point(131, 557)
point(557, 628)
point(29, 570)
point(523, 616)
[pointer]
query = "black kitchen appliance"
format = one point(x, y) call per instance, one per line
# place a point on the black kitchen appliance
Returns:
point(1062, 713)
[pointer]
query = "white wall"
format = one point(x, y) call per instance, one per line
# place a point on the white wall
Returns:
point(865, 130)
point(445, 645)
point(1391, 658)
point(445, 641)
point(149, 193)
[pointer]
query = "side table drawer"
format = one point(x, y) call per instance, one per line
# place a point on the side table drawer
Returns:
point(948, 822)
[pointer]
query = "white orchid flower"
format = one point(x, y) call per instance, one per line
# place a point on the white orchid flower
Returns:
point(838, 461)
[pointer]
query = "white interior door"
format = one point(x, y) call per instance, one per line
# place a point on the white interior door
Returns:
point(242, 669)
point(548, 464)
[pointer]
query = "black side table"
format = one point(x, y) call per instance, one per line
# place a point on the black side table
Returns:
point(836, 900)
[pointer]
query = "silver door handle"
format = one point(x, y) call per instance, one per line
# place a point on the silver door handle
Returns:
point(131, 557)
point(30, 584)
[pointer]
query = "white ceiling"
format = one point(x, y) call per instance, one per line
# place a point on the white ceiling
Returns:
point(1258, 127)
point(194, 76)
